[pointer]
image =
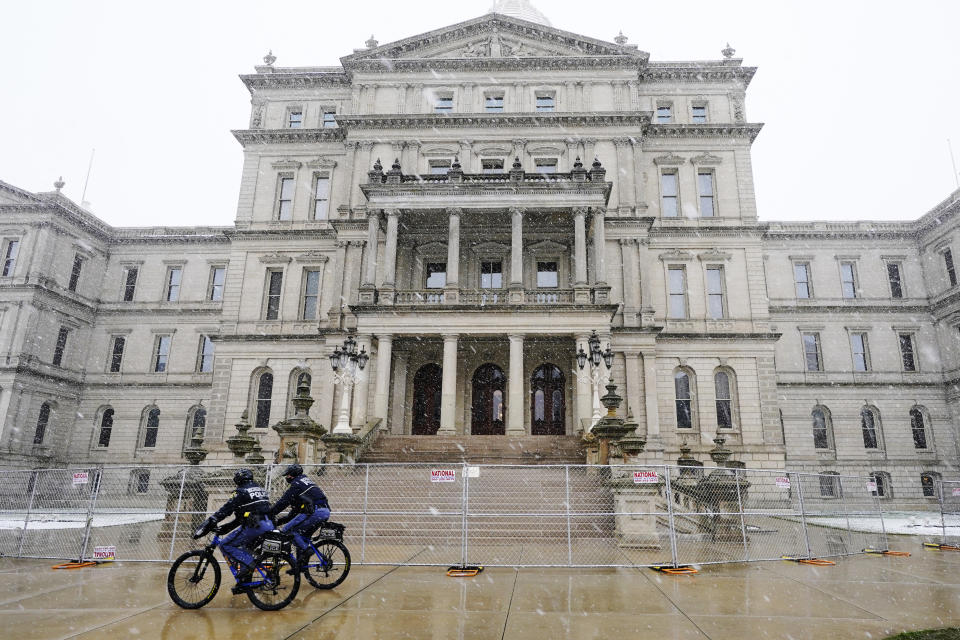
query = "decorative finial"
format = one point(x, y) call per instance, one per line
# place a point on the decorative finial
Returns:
point(596, 164)
point(396, 165)
point(577, 164)
point(728, 51)
point(372, 42)
point(59, 184)
point(378, 166)
point(516, 163)
point(269, 59)
point(456, 166)
point(620, 39)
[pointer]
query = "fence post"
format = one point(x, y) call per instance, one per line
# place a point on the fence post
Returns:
point(803, 515)
point(35, 474)
point(91, 505)
point(176, 518)
point(846, 512)
point(464, 505)
point(943, 520)
point(883, 526)
point(743, 523)
point(363, 524)
point(673, 529)
point(566, 469)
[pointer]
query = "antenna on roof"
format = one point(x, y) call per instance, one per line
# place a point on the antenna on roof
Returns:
point(83, 198)
point(956, 176)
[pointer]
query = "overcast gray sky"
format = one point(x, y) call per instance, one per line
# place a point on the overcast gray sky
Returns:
point(858, 97)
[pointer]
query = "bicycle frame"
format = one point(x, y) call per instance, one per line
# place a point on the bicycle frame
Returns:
point(212, 546)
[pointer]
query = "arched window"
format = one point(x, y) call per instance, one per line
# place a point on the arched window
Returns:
point(918, 426)
point(487, 407)
point(822, 428)
point(683, 399)
point(929, 481)
point(106, 428)
point(426, 400)
point(723, 383)
point(42, 420)
point(548, 408)
point(882, 480)
point(151, 427)
point(264, 399)
point(830, 485)
point(196, 419)
point(870, 426)
point(139, 481)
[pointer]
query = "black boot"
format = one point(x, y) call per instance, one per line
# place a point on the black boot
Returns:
point(246, 575)
point(302, 558)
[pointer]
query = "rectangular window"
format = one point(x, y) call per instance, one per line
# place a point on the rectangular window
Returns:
point(274, 289)
point(907, 352)
point(75, 273)
point(329, 119)
point(116, 353)
point(205, 356)
point(10, 252)
point(705, 187)
point(951, 270)
point(174, 276)
point(443, 104)
point(294, 119)
point(858, 346)
point(321, 198)
point(217, 277)
point(490, 165)
point(440, 167)
point(811, 351)
point(143, 477)
point(669, 194)
point(677, 281)
point(436, 275)
point(896, 283)
point(311, 294)
point(664, 114)
point(698, 114)
point(715, 284)
point(848, 280)
point(545, 102)
point(161, 354)
point(546, 165)
point(801, 278)
point(285, 199)
point(130, 283)
point(493, 104)
point(60, 347)
point(491, 275)
point(829, 486)
point(547, 275)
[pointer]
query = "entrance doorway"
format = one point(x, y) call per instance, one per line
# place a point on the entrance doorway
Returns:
point(427, 387)
point(488, 411)
point(548, 403)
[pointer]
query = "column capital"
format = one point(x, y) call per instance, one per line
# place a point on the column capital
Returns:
point(455, 211)
point(373, 214)
point(580, 211)
point(451, 337)
point(517, 211)
point(393, 213)
point(621, 142)
point(385, 337)
point(516, 337)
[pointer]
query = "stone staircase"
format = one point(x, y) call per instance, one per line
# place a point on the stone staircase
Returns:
point(476, 449)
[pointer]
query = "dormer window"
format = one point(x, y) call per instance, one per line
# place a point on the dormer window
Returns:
point(545, 102)
point(492, 165)
point(443, 104)
point(295, 118)
point(440, 167)
point(493, 103)
point(546, 165)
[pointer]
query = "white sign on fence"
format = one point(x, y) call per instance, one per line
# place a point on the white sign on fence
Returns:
point(80, 477)
point(956, 492)
point(645, 477)
point(871, 486)
point(443, 475)
point(783, 482)
point(473, 472)
point(104, 553)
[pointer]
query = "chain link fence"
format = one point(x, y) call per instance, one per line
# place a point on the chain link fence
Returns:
point(453, 514)
point(948, 494)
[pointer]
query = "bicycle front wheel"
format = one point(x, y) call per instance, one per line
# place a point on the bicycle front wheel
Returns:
point(274, 586)
point(193, 579)
point(330, 566)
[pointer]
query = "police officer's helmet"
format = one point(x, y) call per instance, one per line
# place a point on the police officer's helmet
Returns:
point(243, 476)
point(293, 471)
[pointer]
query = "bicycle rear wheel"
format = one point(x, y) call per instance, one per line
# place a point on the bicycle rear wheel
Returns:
point(193, 579)
point(276, 589)
point(331, 566)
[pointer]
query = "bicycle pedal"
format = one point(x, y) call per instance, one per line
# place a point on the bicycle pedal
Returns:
point(240, 588)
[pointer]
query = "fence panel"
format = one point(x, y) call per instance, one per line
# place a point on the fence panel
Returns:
point(56, 516)
point(16, 491)
point(949, 492)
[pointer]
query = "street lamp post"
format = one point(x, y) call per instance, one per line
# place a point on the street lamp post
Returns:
point(347, 366)
point(594, 356)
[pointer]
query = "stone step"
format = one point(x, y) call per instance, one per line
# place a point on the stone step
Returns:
point(477, 449)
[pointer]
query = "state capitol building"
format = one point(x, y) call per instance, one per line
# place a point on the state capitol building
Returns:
point(470, 205)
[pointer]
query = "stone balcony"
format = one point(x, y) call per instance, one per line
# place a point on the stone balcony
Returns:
point(493, 297)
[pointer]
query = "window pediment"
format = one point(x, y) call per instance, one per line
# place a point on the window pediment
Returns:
point(431, 248)
point(670, 159)
point(490, 249)
point(546, 247)
point(676, 256)
point(706, 159)
point(322, 163)
point(275, 258)
point(286, 163)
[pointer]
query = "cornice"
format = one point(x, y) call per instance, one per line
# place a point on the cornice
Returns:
point(706, 71)
point(835, 230)
point(258, 233)
point(554, 63)
point(746, 130)
point(295, 78)
point(270, 136)
point(134, 235)
point(638, 119)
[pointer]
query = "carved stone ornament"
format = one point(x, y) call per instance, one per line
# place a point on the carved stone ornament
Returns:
point(706, 159)
point(286, 163)
point(669, 159)
point(322, 163)
point(275, 258)
point(490, 249)
point(714, 255)
point(676, 255)
point(312, 257)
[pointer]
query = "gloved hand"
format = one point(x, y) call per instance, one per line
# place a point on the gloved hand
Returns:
point(208, 525)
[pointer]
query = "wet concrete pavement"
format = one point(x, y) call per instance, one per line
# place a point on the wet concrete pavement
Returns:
point(861, 597)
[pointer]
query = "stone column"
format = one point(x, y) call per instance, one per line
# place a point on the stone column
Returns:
point(650, 397)
point(634, 395)
point(631, 281)
point(381, 395)
point(368, 285)
point(398, 420)
point(584, 388)
point(361, 389)
point(448, 393)
point(388, 290)
point(637, 182)
point(581, 284)
point(515, 379)
point(452, 290)
point(589, 146)
point(516, 257)
point(572, 146)
point(601, 290)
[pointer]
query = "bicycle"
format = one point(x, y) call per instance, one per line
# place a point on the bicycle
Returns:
point(194, 577)
point(332, 563)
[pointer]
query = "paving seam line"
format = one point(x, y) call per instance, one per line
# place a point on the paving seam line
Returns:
point(828, 594)
point(675, 605)
point(118, 620)
point(506, 618)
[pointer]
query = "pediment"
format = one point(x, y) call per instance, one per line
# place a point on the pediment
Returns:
point(494, 36)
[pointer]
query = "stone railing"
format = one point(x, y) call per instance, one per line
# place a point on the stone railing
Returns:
point(485, 297)
point(427, 296)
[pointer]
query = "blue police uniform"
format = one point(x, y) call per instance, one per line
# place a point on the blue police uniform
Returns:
point(250, 504)
point(308, 508)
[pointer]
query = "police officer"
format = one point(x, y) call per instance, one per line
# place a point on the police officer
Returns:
point(250, 504)
point(308, 508)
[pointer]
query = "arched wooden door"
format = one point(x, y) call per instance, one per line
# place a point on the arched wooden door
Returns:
point(488, 410)
point(548, 405)
point(427, 385)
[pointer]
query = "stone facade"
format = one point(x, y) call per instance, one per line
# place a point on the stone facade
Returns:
point(487, 194)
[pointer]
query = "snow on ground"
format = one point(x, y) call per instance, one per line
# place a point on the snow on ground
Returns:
point(916, 523)
point(50, 520)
